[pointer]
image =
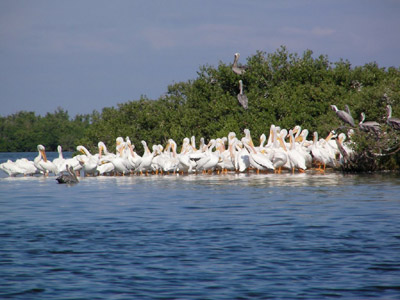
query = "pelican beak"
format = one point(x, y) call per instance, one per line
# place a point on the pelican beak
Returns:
point(299, 139)
point(329, 136)
point(44, 155)
point(282, 143)
point(100, 151)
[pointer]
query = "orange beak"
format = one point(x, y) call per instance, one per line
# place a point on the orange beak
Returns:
point(44, 155)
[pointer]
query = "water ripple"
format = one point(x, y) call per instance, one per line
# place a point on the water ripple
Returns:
point(201, 237)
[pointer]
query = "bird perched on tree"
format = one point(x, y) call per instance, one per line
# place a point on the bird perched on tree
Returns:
point(242, 97)
point(369, 126)
point(236, 68)
point(393, 122)
point(344, 116)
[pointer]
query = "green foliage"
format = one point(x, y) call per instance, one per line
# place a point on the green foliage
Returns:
point(23, 131)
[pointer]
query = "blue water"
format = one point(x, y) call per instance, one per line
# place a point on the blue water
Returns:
point(232, 236)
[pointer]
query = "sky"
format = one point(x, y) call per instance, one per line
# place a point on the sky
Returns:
point(84, 55)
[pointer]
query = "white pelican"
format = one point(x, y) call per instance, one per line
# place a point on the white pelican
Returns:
point(227, 161)
point(104, 164)
point(133, 158)
point(304, 147)
point(279, 151)
point(88, 161)
point(60, 161)
point(27, 166)
point(242, 158)
point(118, 141)
point(319, 153)
point(169, 161)
point(248, 136)
point(147, 158)
point(345, 147)
point(263, 139)
point(210, 160)
point(257, 160)
point(196, 154)
point(42, 164)
point(193, 142)
point(157, 162)
point(146, 150)
point(186, 165)
point(295, 158)
point(105, 168)
point(121, 162)
point(103, 149)
point(11, 168)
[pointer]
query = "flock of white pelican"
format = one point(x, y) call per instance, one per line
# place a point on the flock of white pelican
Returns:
point(287, 150)
point(283, 150)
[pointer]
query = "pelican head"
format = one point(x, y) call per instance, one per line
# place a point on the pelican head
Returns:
point(119, 140)
point(231, 135)
point(42, 151)
point(101, 146)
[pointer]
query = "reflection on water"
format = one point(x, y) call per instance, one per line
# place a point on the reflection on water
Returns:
point(246, 179)
point(252, 179)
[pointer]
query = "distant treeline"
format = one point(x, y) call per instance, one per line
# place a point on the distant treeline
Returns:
point(23, 131)
point(285, 89)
